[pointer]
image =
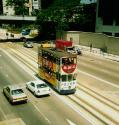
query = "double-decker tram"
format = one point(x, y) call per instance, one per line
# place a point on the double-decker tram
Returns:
point(58, 68)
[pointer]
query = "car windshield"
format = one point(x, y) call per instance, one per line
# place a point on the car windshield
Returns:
point(28, 42)
point(17, 91)
point(41, 85)
point(70, 48)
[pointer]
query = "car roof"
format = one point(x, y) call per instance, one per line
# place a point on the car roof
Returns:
point(38, 82)
point(13, 87)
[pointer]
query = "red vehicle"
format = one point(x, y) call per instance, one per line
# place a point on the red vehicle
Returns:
point(63, 44)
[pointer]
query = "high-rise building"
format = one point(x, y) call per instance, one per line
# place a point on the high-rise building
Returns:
point(107, 17)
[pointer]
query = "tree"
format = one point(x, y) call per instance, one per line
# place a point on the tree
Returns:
point(19, 6)
point(57, 14)
point(67, 15)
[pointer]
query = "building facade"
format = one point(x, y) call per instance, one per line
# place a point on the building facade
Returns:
point(33, 5)
point(7, 10)
point(36, 4)
point(107, 17)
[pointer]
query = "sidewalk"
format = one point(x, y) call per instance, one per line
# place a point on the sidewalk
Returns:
point(15, 35)
point(97, 52)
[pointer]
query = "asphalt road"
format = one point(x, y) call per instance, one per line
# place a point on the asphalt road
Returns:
point(38, 111)
point(100, 75)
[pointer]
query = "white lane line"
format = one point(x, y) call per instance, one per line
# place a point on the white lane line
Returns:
point(75, 108)
point(70, 122)
point(110, 83)
point(32, 74)
point(4, 115)
point(41, 113)
point(63, 99)
point(20, 64)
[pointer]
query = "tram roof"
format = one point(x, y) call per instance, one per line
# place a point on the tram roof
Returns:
point(58, 53)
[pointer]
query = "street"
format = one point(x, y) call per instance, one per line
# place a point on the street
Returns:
point(42, 111)
point(95, 101)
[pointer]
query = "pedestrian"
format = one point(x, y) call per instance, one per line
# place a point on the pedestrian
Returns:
point(7, 35)
point(91, 47)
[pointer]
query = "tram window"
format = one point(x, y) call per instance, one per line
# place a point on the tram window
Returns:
point(74, 60)
point(58, 76)
point(69, 77)
point(68, 61)
point(65, 61)
point(64, 78)
point(74, 76)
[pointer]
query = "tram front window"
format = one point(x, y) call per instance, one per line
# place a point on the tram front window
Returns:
point(74, 76)
point(67, 61)
point(69, 78)
point(64, 78)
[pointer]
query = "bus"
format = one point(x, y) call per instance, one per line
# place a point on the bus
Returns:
point(58, 68)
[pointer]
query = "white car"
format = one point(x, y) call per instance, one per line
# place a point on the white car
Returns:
point(38, 88)
point(14, 94)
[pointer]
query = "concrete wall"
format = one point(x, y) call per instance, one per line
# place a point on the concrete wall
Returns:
point(98, 40)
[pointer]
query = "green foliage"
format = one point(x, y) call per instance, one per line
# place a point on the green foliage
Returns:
point(58, 13)
point(65, 14)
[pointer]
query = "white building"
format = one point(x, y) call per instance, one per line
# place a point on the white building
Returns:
point(32, 5)
point(7, 10)
point(36, 4)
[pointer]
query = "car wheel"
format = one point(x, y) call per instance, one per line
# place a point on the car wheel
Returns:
point(9, 100)
point(27, 87)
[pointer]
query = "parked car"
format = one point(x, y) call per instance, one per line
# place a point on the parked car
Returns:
point(38, 88)
point(14, 94)
point(28, 44)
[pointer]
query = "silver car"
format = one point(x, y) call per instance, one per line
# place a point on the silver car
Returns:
point(28, 44)
point(14, 94)
point(38, 88)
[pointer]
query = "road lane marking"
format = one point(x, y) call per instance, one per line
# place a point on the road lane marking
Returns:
point(41, 113)
point(16, 121)
point(70, 122)
point(74, 108)
point(69, 103)
point(95, 77)
point(4, 115)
